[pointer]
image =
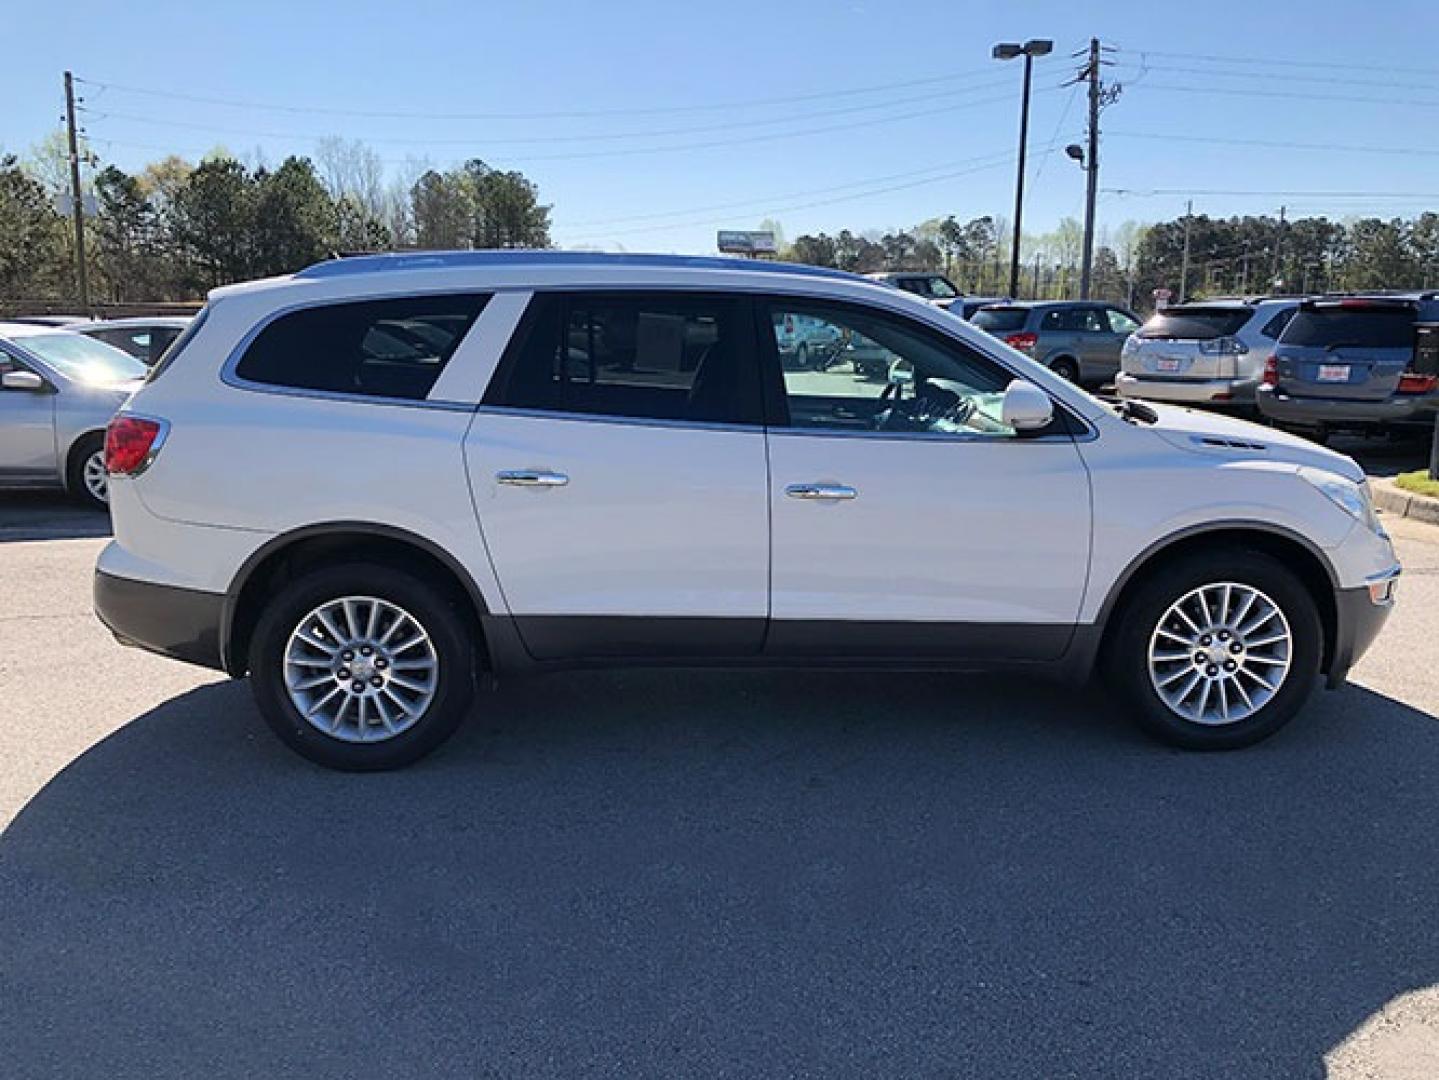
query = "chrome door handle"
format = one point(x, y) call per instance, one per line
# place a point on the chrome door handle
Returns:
point(820, 491)
point(531, 478)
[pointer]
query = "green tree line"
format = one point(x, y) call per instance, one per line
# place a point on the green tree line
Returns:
point(176, 229)
point(1227, 256)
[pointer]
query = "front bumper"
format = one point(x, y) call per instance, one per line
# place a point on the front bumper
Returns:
point(1187, 391)
point(1359, 616)
point(1313, 412)
point(183, 624)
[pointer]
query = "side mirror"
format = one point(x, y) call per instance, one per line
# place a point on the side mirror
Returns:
point(1026, 407)
point(22, 380)
point(901, 373)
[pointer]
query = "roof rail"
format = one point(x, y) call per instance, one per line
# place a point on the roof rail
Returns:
point(457, 260)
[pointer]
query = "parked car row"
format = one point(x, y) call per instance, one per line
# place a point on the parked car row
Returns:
point(60, 382)
point(1319, 364)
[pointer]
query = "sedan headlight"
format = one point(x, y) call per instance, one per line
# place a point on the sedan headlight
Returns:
point(1353, 498)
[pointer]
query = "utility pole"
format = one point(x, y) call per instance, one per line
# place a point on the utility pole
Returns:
point(1278, 249)
point(1184, 266)
point(1088, 156)
point(77, 206)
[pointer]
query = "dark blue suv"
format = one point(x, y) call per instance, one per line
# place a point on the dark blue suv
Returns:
point(1356, 363)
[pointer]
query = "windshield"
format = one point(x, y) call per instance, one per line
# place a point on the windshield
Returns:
point(1000, 320)
point(1376, 327)
point(1196, 324)
point(84, 359)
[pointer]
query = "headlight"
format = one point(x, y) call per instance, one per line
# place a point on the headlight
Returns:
point(1353, 498)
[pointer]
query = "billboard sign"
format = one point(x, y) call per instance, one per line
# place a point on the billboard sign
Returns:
point(737, 242)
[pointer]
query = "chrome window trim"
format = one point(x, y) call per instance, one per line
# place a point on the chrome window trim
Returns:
point(602, 418)
point(236, 354)
point(790, 432)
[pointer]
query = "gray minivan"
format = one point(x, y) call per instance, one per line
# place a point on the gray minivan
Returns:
point(1079, 339)
point(1356, 363)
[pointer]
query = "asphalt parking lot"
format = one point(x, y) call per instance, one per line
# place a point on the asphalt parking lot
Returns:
point(681, 874)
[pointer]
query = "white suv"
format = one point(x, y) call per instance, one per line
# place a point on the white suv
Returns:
point(377, 483)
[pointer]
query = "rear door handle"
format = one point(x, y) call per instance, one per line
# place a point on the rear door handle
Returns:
point(820, 491)
point(531, 478)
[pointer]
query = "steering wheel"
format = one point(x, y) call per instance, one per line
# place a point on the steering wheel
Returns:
point(932, 405)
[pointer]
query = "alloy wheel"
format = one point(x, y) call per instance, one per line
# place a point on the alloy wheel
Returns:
point(1220, 653)
point(361, 669)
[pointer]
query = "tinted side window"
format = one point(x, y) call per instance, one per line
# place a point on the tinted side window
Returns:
point(1275, 326)
point(645, 356)
point(378, 348)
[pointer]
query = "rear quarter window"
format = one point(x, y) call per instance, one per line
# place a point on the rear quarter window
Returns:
point(373, 348)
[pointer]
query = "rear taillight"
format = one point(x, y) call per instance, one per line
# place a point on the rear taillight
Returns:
point(1024, 342)
point(131, 443)
point(1271, 373)
point(1410, 383)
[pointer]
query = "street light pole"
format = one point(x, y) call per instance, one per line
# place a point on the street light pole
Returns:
point(1008, 51)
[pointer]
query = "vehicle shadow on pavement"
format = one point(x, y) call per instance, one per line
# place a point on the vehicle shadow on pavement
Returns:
point(681, 874)
point(48, 515)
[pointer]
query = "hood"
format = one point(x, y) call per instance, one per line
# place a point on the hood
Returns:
point(1226, 437)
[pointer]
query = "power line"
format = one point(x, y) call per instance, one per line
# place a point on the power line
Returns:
point(582, 114)
point(479, 142)
point(1326, 79)
point(545, 139)
point(1276, 145)
point(770, 200)
point(1007, 158)
point(1280, 61)
point(1145, 193)
point(1267, 94)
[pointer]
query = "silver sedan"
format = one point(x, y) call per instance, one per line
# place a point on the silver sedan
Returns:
point(58, 390)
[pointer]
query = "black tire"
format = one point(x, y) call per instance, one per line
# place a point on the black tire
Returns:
point(1126, 661)
point(449, 632)
point(1065, 368)
point(83, 450)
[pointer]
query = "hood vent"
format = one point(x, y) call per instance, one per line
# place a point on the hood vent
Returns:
point(1218, 443)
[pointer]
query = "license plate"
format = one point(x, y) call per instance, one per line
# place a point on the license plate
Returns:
point(1166, 364)
point(1333, 372)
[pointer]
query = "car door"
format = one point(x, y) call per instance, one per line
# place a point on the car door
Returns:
point(619, 477)
point(27, 428)
point(908, 521)
point(1115, 326)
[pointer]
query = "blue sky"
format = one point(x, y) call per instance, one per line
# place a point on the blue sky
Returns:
point(823, 115)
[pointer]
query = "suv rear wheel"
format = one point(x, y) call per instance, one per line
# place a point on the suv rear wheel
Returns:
point(1065, 368)
point(1217, 651)
point(362, 667)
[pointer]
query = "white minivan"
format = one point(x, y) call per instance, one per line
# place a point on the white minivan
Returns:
point(377, 484)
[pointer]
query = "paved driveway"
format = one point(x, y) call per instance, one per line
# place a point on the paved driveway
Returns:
point(682, 874)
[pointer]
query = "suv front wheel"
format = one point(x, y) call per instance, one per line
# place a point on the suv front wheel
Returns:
point(1218, 650)
point(362, 667)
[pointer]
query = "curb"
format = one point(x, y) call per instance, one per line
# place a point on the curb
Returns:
point(1392, 499)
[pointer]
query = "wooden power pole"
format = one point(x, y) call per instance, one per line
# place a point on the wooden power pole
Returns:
point(77, 205)
point(1091, 169)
